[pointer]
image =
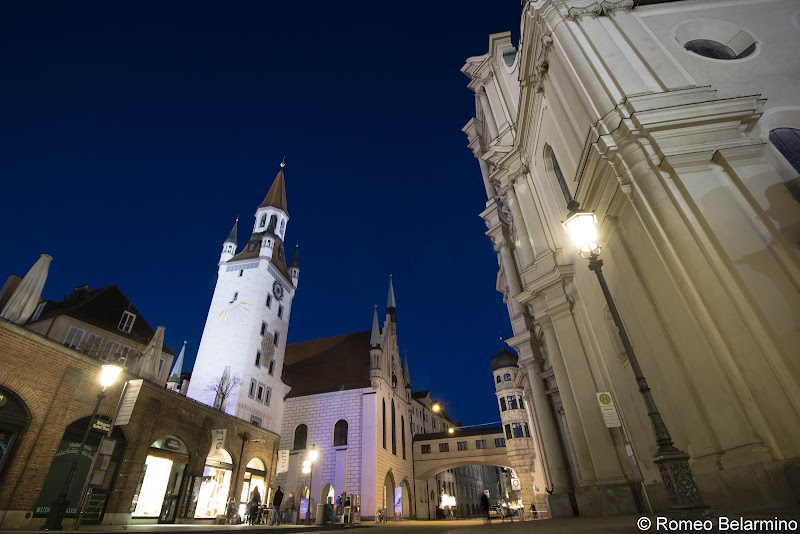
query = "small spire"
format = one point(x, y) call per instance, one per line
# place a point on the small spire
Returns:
point(177, 368)
point(295, 259)
point(390, 302)
point(233, 235)
point(375, 338)
point(406, 375)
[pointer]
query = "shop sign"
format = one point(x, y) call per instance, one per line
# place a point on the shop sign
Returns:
point(283, 462)
point(398, 500)
point(172, 444)
point(303, 508)
point(128, 402)
point(609, 410)
point(217, 440)
point(102, 426)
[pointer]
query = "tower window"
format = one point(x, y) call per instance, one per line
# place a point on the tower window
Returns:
point(271, 367)
point(518, 432)
point(502, 404)
point(508, 432)
point(269, 301)
point(241, 272)
point(126, 322)
point(276, 338)
point(507, 377)
point(267, 396)
point(260, 392)
point(280, 311)
point(512, 402)
point(252, 392)
point(263, 328)
point(258, 358)
point(498, 379)
point(300, 435)
point(263, 221)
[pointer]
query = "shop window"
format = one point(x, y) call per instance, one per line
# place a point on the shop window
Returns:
point(214, 485)
point(255, 476)
point(14, 418)
point(340, 433)
point(300, 436)
point(161, 477)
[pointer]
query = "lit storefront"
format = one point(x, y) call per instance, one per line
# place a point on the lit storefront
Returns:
point(214, 485)
point(160, 481)
point(255, 476)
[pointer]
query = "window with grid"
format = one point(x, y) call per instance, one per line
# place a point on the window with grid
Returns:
point(517, 429)
point(74, 336)
point(340, 433)
point(499, 442)
point(300, 434)
point(462, 445)
point(426, 449)
point(512, 402)
point(480, 443)
point(260, 392)
point(126, 322)
point(93, 345)
point(508, 432)
point(444, 447)
point(110, 350)
point(502, 404)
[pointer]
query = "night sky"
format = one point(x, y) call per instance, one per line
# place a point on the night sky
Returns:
point(132, 134)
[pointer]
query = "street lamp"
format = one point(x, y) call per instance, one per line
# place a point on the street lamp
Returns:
point(673, 463)
point(58, 508)
point(308, 469)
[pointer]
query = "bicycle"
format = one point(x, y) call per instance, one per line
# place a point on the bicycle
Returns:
point(380, 516)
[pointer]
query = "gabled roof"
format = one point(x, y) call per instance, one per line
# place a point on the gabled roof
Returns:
point(276, 196)
point(102, 308)
point(328, 364)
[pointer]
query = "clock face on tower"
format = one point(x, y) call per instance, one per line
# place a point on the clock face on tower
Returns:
point(277, 290)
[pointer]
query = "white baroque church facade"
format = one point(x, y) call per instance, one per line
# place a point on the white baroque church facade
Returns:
point(678, 124)
point(241, 354)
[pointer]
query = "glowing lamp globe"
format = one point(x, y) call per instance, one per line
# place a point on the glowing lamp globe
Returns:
point(109, 375)
point(313, 454)
point(582, 228)
point(450, 430)
point(306, 469)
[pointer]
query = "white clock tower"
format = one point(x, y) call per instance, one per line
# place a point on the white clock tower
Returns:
point(240, 358)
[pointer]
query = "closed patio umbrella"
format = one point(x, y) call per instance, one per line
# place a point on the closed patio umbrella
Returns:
point(23, 302)
point(147, 364)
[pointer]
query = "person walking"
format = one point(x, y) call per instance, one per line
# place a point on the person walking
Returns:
point(288, 509)
point(485, 506)
point(276, 507)
point(255, 501)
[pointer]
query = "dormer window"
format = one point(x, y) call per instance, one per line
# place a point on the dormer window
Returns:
point(126, 322)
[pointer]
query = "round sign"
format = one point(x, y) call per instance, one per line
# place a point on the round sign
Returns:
point(605, 399)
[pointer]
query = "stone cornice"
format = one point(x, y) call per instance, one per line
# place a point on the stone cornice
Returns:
point(599, 9)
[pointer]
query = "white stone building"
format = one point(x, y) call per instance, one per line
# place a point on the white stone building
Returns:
point(678, 124)
point(350, 401)
point(242, 348)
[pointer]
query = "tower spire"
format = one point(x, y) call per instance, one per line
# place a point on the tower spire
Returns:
point(276, 196)
point(375, 338)
point(391, 304)
point(177, 368)
point(406, 374)
point(229, 245)
point(232, 236)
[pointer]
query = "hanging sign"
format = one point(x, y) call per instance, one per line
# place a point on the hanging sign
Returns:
point(609, 410)
point(217, 440)
point(128, 401)
point(283, 462)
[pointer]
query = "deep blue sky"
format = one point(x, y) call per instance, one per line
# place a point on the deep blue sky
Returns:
point(133, 133)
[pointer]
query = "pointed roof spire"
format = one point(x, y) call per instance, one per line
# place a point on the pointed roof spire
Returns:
point(375, 338)
point(295, 258)
point(177, 368)
point(276, 196)
point(406, 375)
point(390, 302)
point(233, 235)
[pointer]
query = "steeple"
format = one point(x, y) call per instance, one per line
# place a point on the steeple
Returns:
point(174, 380)
point(294, 266)
point(230, 244)
point(391, 305)
point(375, 338)
point(272, 215)
point(276, 196)
point(406, 375)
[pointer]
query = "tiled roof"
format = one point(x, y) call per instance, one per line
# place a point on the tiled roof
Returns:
point(276, 196)
point(102, 308)
point(278, 259)
point(328, 364)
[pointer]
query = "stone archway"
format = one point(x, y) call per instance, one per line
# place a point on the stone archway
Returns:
point(388, 496)
point(408, 499)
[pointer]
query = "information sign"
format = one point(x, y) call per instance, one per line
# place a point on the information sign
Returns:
point(609, 410)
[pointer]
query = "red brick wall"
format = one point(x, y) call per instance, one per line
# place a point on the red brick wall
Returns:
point(60, 385)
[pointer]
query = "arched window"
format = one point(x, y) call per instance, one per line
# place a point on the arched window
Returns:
point(383, 418)
point(498, 379)
point(300, 436)
point(273, 221)
point(340, 433)
point(283, 224)
point(394, 436)
point(560, 176)
point(403, 435)
point(787, 141)
point(263, 221)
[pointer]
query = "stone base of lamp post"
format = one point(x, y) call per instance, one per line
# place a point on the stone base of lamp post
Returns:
point(58, 509)
point(681, 488)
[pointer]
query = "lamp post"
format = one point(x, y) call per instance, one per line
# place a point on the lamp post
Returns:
point(673, 463)
point(308, 469)
point(58, 508)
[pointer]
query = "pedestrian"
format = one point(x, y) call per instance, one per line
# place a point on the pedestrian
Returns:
point(288, 508)
point(255, 501)
point(485, 506)
point(276, 507)
point(347, 510)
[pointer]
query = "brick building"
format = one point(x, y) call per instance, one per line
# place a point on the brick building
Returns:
point(160, 469)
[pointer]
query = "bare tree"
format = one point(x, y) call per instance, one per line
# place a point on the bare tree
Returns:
point(222, 388)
